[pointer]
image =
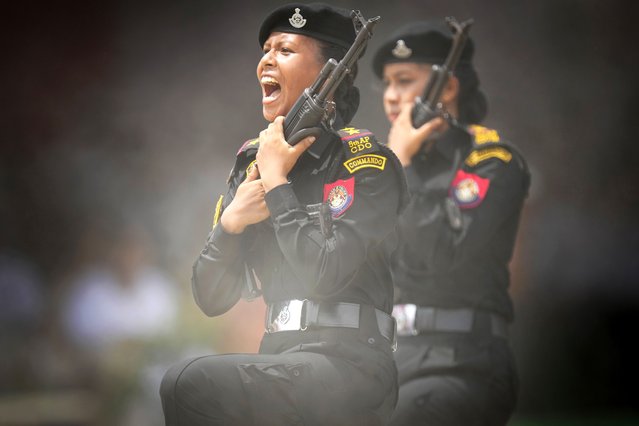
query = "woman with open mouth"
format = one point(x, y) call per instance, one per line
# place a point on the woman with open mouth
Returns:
point(310, 226)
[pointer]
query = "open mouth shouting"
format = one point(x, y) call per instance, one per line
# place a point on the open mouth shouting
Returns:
point(289, 64)
point(270, 89)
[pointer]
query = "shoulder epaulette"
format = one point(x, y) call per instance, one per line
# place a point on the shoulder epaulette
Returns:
point(486, 145)
point(361, 149)
point(249, 144)
point(482, 136)
point(243, 156)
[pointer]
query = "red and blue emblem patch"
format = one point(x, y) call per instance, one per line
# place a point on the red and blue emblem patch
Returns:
point(339, 195)
point(468, 190)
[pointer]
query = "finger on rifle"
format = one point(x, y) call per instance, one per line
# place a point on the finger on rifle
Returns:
point(304, 144)
point(430, 127)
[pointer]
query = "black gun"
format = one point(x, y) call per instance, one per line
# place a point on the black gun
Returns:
point(428, 105)
point(314, 106)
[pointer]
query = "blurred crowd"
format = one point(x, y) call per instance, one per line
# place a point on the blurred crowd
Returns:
point(92, 348)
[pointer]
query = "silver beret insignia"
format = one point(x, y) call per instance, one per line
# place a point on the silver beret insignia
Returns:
point(402, 51)
point(297, 20)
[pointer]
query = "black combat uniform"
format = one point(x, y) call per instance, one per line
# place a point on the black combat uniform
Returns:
point(339, 369)
point(322, 260)
point(451, 269)
point(458, 232)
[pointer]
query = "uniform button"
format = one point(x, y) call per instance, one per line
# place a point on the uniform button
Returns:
point(296, 373)
point(371, 340)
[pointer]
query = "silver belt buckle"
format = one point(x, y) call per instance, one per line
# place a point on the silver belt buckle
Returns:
point(405, 318)
point(288, 316)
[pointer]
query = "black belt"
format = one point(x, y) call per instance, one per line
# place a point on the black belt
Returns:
point(306, 314)
point(413, 320)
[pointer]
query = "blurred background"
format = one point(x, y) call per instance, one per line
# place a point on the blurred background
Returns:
point(119, 125)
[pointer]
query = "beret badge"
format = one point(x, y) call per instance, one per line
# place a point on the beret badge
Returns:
point(402, 51)
point(297, 20)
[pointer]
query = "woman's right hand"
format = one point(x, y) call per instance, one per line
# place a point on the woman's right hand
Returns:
point(248, 206)
point(405, 140)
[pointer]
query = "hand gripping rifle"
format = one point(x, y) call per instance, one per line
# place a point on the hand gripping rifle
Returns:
point(428, 105)
point(314, 106)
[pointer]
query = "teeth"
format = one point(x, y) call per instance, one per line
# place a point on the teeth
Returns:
point(269, 80)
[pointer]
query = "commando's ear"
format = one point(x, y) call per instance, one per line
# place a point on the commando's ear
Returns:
point(451, 91)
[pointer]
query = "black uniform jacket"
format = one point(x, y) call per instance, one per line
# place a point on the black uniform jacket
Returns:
point(458, 231)
point(291, 254)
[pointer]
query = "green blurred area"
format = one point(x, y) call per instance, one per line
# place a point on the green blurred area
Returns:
point(598, 420)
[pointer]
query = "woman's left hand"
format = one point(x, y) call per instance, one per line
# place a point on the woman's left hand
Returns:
point(275, 157)
point(405, 140)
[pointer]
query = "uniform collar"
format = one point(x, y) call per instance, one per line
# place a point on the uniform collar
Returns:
point(319, 146)
point(451, 141)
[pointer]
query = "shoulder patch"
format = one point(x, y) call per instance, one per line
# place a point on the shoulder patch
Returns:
point(358, 141)
point(468, 190)
point(363, 161)
point(483, 135)
point(480, 155)
point(251, 143)
point(339, 195)
point(361, 149)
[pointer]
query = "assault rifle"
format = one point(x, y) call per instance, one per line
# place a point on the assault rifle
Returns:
point(428, 106)
point(314, 106)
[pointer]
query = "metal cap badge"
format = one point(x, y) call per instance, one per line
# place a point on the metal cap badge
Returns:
point(297, 20)
point(402, 51)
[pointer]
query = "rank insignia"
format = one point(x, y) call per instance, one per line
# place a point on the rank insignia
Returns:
point(401, 51)
point(347, 132)
point(339, 195)
point(468, 190)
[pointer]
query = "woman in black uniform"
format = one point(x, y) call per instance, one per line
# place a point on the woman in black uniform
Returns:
point(326, 355)
point(467, 187)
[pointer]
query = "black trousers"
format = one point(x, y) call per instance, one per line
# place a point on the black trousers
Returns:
point(452, 379)
point(298, 387)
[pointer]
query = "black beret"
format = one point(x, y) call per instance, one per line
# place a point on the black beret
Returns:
point(317, 20)
point(420, 42)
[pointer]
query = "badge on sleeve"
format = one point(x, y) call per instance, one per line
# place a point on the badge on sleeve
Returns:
point(339, 195)
point(468, 190)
